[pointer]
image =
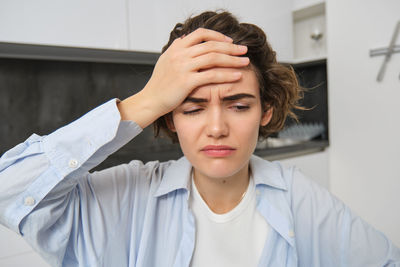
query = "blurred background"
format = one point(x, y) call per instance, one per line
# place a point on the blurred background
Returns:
point(60, 59)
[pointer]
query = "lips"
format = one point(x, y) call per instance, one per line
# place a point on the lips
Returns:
point(218, 151)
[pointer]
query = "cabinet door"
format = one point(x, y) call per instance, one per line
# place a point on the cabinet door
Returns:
point(151, 21)
point(80, 23)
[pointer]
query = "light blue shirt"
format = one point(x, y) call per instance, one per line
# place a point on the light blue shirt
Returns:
point(137, 214)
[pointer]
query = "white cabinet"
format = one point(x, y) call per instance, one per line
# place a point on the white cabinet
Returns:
point(79, 23)
point(132, 24)
point(150, 22)
point(309, 30)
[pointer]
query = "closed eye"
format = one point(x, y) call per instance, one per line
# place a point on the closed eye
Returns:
point(240, 108)
point(192, 112)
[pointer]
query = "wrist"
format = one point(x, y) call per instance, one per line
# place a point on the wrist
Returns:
point(140, 109)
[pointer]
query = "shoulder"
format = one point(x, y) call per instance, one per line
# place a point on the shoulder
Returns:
point(150, 169)
point(307, 201)
point(319, 219)
point(133, 174)
point(306, 196)
point(325, 228)
point(290, 180)
point(296, 185)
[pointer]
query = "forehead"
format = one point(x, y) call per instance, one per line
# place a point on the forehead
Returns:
point(247, 84)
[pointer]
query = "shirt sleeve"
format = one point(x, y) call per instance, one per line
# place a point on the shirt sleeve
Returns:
point(40, 176)
point(328, 233)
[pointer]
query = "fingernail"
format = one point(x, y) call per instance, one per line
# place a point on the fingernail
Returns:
point(237, 74)
point(242, 48)
point(244, 60)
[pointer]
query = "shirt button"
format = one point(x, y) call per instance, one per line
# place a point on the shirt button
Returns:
point(291, 233)
point(29, 201)
point(73, 163)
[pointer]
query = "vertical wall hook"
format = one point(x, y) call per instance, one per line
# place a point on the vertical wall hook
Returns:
point(389, 52)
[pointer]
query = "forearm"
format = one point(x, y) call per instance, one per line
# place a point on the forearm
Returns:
point(30, 171)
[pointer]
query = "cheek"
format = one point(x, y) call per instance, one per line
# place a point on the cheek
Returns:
point(247, 132)
point(247, 129)
point(185, 129)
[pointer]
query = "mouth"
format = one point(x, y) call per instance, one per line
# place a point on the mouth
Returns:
point(218, 151)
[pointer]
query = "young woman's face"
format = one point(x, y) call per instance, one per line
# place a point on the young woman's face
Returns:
point(217, 125)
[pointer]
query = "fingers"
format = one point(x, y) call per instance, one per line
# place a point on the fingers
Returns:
point(217, 75)
point(206, 48)
point(212, 60)
point(202, 35)
point(209, 48)
point(218, 47)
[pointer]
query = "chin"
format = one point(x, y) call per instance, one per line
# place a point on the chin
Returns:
point(219, 168)
point(217, 174)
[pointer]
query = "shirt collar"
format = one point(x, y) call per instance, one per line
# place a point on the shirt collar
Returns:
point(177, 175)
point(273, 207)
point(267, 173)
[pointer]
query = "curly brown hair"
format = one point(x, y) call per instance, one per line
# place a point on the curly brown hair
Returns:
point(279, 88)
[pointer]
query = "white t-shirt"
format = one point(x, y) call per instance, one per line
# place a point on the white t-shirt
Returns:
point(235, 238)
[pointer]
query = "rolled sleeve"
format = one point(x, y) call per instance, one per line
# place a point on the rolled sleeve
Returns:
point(31, 170)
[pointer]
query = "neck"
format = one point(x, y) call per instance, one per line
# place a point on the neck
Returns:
point(222, 194)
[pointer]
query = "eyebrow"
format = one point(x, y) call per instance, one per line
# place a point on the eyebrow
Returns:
point(226, 98)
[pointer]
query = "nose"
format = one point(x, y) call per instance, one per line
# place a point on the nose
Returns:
point(217, 126)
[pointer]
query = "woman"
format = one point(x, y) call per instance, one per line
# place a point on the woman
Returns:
point(217, 206)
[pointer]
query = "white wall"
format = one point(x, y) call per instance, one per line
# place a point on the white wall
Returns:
point(364, 114)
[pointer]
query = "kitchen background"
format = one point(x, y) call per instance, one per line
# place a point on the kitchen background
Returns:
point(59, 59)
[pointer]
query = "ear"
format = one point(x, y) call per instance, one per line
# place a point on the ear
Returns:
point(170, 122)
point(267, 116)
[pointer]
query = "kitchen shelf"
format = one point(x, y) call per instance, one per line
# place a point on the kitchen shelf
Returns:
point(77, 54)
point(284, 152)
point(305, 61)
